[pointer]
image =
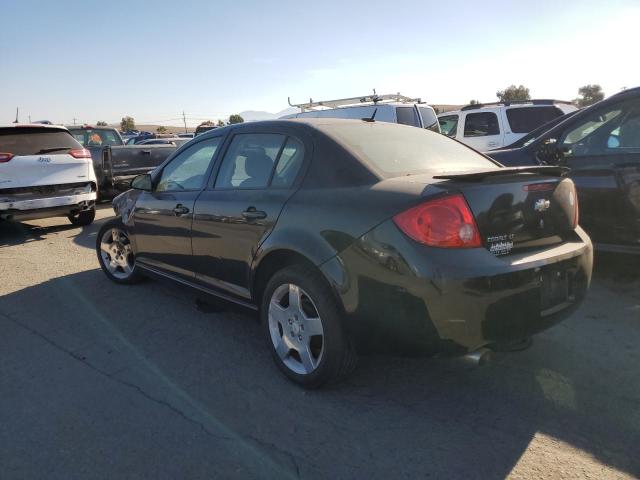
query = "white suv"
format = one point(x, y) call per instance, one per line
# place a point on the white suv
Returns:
point(394, 108)
point(494, 125)
point(45, 172)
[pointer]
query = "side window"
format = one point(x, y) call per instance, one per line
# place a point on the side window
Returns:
point(289, 164)
point(525, 119)
point(187, 170)
point(449, 125)
point(611, 131)
point(407, 116)
point(429, 119)
point(249, 160)
point(481, 124)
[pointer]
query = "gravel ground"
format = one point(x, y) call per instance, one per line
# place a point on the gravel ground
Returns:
point(103, 381)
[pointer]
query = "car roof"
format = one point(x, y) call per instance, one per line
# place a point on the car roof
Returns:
point(34, 125)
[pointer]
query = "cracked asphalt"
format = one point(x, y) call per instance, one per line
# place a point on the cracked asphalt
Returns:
point(104, 381)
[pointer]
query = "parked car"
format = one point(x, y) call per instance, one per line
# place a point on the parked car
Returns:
point(351, 236)
point(494, 125)
point(95, 139)
point(186, 135)
point(175, 141)
point(382, 108)
point(601, 146)
point(200, 129)
point(45, 172)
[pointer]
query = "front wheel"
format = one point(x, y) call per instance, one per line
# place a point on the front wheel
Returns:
point(83, 218)
point(302, 324)
point(115, 253)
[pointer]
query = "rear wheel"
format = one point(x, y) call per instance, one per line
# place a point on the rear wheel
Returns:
point(302, 325)
point(83, 218)
point(115, 253)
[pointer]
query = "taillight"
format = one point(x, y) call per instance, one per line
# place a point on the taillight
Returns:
point(444, 222)
point(5, 157)
point(80, 153)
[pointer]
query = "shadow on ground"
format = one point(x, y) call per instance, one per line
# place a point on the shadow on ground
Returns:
point(135, 381)
point(16, 233)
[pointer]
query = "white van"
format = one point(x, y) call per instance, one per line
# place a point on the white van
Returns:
point(45, 172)
point(494, 125)
point(387, 108)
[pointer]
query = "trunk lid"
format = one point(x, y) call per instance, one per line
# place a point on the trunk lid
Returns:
point(517, 209)
point(36, 170)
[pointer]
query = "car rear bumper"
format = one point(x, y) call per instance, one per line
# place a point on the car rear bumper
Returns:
point(28, 209)
point(402, 296)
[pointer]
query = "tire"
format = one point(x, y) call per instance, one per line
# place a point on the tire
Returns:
point(83, 218)
point(116, 258)
point(330, 356)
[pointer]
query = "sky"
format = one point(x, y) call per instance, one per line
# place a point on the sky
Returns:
point(101, 60)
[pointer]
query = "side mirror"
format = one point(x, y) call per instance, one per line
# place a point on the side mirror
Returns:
point(142, 182)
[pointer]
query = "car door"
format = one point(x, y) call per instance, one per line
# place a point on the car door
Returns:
point(482, 130)
point(255, 177)
point(163, 216)
point(603, 151)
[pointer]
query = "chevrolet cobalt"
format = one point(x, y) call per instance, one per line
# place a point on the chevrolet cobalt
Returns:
point(352, 236)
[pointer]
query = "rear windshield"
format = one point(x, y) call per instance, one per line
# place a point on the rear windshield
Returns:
point(394, 150)
point(35, 141)
point(525, 119)
point(96, 138)
point(429, 119)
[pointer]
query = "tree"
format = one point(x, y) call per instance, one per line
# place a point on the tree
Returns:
point(513, 94)
point(127, 124)
point(207, 123)
point(588, 95)
point(221, 123)
point(100, 123)
point(235, 118)
point(161, 129)
point(474, 102)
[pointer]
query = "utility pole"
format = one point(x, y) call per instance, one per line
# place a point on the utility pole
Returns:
point(74, 120)
point(184, 119)
point(29, 118)
point(16, 120)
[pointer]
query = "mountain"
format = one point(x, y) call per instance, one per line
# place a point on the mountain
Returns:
point(253, 115)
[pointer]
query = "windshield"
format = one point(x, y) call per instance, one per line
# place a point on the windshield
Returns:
point(33, 141)
point(394, 150)
point(89, 137)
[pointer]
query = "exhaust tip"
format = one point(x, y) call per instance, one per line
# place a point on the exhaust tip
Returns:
point(479, 357)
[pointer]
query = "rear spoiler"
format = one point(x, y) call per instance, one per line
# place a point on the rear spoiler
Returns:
point(477, 176)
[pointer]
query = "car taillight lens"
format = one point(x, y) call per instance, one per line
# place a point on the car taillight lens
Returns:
point(5, 157)
point(80, 153)
point(444, 222)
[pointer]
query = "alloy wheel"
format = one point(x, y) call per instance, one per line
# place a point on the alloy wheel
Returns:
point(296, 329)
point(117, 255)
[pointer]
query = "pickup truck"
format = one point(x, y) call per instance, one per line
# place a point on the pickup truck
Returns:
point(114, 162)
point(123, 162)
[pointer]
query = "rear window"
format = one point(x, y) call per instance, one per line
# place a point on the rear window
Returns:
point(394, 150)
point(35, 141)
point(96, 138)
point(407, 116)
point(523, 120)
point(429, 119)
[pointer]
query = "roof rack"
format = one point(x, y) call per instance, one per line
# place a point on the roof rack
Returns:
point(515, 102)
point(343, 102)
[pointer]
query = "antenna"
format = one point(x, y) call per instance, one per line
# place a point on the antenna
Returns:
point(372, 118)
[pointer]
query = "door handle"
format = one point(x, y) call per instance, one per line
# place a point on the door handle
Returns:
point(252, 214)
point(146, 152)
point(180, 210)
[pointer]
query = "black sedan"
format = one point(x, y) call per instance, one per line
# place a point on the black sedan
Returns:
point(601, 146)
point(354, 236)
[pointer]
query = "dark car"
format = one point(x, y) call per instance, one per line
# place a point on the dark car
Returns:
point(601, 145)
point(356, 236)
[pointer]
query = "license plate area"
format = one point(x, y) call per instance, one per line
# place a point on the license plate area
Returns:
point(555, 289)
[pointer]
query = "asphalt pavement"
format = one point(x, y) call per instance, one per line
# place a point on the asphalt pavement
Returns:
point(99, 380)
